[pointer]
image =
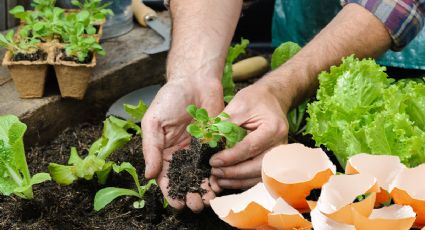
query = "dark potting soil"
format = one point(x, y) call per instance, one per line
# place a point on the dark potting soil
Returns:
point(71, 207)
point(189, 167)
point(37, 56)
point(65, 57)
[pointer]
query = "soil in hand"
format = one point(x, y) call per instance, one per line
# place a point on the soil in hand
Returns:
point(189, 167)
point(37, 56)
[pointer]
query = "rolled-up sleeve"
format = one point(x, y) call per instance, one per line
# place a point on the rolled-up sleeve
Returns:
point(403, 19)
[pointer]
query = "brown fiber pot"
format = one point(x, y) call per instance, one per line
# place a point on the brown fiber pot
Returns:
point(73, 78)
point(29, 76)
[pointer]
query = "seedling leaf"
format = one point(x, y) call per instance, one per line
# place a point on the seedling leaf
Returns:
point(107, 195)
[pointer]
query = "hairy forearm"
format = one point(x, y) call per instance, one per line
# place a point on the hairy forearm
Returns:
point(202, 32)
point(353, 31)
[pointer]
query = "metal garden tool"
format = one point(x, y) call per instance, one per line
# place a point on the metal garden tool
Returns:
point(147, 17)
point(242, 70)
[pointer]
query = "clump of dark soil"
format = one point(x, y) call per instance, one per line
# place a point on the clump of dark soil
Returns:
point(37, 56)
point(189, 167)
point(65, 57)
point(71, 207)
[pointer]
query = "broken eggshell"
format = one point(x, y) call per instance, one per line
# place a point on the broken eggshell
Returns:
point(394, 217)
point(285, 217)
point(408, 188)
point(291, 171)
point(322, 222)
point(249, 209)
point(338, 195)
point(384, 167)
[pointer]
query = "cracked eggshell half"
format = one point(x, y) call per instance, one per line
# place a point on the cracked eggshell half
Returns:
point(291, 171)
point(322, 222)
point(384, 167)
point(408, 188)
point(394, 217)
point(246, 210)
point(285, 217)
point(338, 195)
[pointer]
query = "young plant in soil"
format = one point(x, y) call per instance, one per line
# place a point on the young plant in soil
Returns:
point(116, 133)
point(24, 48)
point(189, 167)
point(15, 177)
point(97, 11)
point(107, 195)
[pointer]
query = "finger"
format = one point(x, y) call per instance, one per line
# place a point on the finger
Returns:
point(238, 184)
point(153, 144)
point(245, 170)
point(209, 195)
point(163, 185)
point(194, 202)
point(214, 185)
point(252, 145)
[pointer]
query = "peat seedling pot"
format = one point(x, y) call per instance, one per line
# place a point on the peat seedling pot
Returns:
point(29, 76)
point(73, 78)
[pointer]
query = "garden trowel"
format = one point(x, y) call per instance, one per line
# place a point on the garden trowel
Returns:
point(147, 17)
point(242, 70)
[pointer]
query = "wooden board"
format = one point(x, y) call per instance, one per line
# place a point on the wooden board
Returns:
point(11, 21)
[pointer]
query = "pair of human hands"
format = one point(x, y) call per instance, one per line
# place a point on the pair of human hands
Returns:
point(255, 108)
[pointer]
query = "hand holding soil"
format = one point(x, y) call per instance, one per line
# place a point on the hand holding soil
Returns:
point(255, 109)
point(164, 129)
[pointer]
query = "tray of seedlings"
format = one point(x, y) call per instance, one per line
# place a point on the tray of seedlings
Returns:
point(67, 40)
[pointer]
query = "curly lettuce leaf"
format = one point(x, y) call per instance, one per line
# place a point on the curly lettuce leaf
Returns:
point(283, 53)
point(359, 109)
point(136, 111)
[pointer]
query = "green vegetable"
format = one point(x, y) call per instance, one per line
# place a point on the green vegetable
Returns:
point(15, 177)
point(227, 80)
point(359, 109)
point(283, 53)
point(212, 130)
point(43, 5)
point(136, 112)
point(107, 195)
point(80, 46)
point(296, 116)
point(97, 11)
point(24, 45)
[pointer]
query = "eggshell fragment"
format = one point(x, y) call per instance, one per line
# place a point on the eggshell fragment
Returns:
point(337, 196)
point(394, 217)
point(384, 167)
point(322, 222)
point(249, 209)
point(408, 188)
point(292, 171)
point(285, 217)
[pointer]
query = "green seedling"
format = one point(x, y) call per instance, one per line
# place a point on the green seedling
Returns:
point(15, 177)
point(136, 112)
point(212, 130)
point(116, 133)
point(23, 45)
point(81, 47)
point(96, 10)
point(227, 80)
point(43, 5)
point(107, 195)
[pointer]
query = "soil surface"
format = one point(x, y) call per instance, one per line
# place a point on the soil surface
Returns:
point(71, 207)
point(37, 56)
point(65, 57)
point(189, 167)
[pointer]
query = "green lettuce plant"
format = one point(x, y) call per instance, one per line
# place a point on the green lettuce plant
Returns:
point(15, 177)
point(22, 45)
point(227, 80)
point(360, 110)
point(212, 130)
point(97, 10)
point(81, 47)
point(107, 195)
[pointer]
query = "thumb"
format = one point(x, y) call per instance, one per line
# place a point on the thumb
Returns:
point(153, 145)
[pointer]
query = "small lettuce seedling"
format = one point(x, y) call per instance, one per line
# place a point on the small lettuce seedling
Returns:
point(24, 45)
point(15, 177)
point(115, 134)
point(107, 195)
point(97, 11)
point(212, 130)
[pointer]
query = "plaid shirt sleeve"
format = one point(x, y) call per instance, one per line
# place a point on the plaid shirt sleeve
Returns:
point(403, 19)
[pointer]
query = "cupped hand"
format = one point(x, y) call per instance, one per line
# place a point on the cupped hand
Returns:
point(164, 130)
point(256, 109)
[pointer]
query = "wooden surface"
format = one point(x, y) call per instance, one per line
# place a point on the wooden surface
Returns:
point(2, 15)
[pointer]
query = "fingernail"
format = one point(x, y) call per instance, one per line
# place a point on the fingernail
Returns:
point(216, 163)
point(217, 172)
